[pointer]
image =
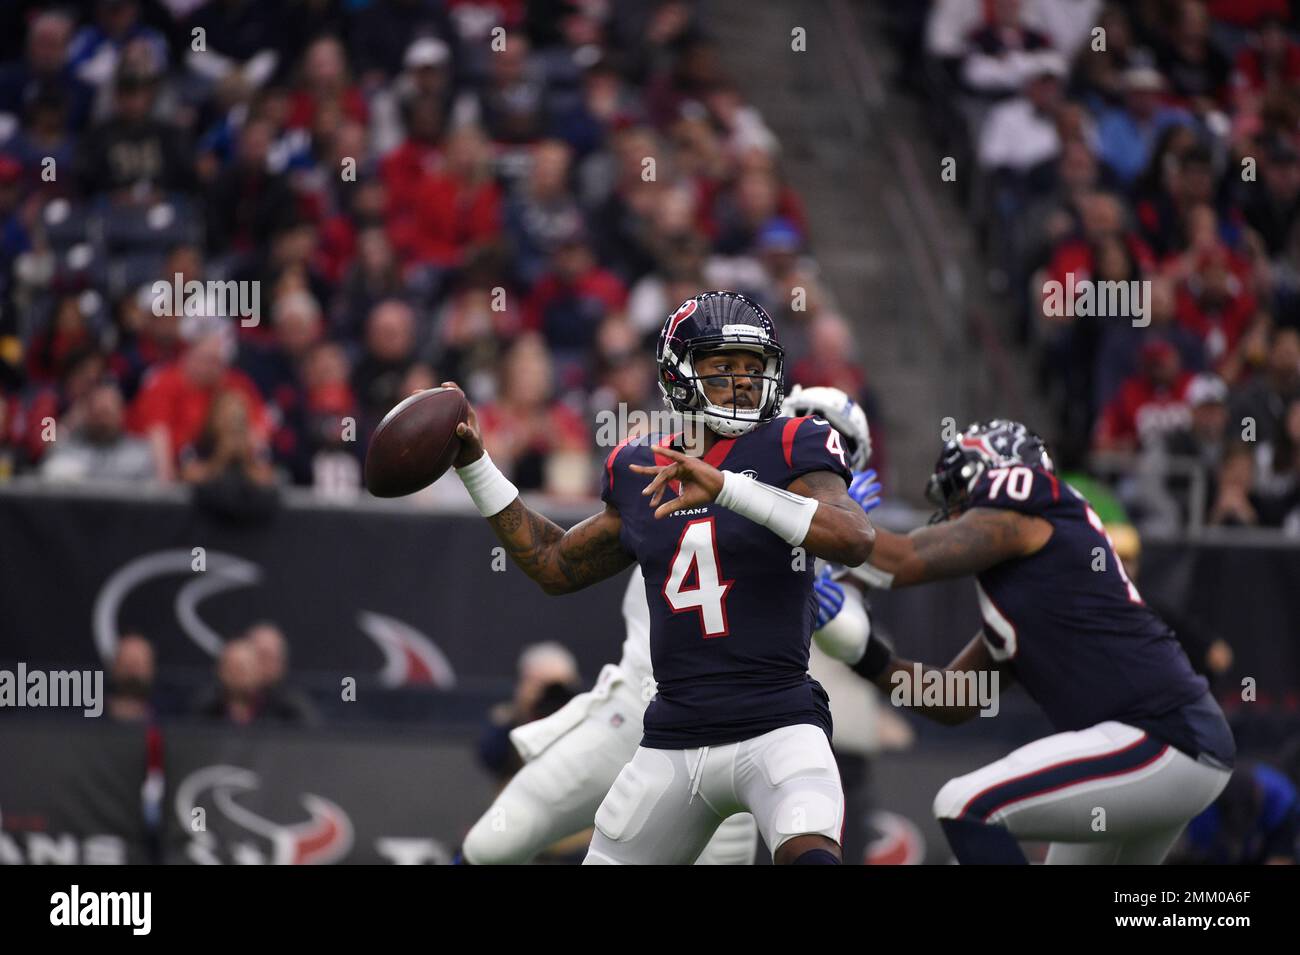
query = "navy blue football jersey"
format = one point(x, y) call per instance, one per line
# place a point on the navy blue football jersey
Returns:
point(731, 610)
point(1074, 630)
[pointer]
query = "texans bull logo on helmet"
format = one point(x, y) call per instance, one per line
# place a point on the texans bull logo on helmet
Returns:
point(983, 445)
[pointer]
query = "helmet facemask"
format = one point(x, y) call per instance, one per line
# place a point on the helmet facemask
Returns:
point(686, 392)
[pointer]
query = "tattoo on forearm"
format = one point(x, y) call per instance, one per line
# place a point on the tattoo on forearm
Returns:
point(558, 560)
point(974, 543)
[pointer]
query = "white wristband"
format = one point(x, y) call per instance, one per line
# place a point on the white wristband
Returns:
point(786, 515)
point(490, 490)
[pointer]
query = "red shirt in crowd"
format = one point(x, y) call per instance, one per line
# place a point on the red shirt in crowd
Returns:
point(598, 284)
point(170, 399)
point(405, 169)
point(443, 218)
point(1141, 411)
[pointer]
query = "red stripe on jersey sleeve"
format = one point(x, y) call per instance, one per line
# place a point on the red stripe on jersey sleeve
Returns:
point(609, 461)
point(787, 439)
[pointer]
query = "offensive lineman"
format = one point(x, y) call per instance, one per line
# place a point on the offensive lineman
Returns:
point(573, 756)
point(738, 724)
point(1141, 746)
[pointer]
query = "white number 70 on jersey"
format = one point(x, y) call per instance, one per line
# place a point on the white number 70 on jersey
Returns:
point(698, 548)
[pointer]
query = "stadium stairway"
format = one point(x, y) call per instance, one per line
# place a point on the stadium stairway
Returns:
point(887, 232)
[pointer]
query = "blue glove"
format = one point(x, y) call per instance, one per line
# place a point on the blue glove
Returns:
point(830, 599)
point(865, 489)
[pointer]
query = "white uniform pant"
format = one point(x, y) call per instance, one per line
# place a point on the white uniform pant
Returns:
point(1107, 795)
point(573, 757)
point(667, 803)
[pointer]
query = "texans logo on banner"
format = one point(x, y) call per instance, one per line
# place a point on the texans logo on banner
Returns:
point(210, 805)
point(897, 841)
point(411, 658)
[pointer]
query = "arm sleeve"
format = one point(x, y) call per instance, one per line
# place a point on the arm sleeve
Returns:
point(845, 636)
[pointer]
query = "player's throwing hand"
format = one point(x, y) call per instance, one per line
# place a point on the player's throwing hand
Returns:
point(471, 441)
point(700, 482)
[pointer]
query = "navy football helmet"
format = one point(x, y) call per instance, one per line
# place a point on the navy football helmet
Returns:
point(719, 321)
point(984, 445)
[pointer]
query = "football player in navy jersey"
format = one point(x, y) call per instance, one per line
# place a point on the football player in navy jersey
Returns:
point(1141, 746)
point(722, 520)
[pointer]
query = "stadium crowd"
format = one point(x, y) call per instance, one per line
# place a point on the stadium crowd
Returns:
point(512, 195)
point(1158, 142)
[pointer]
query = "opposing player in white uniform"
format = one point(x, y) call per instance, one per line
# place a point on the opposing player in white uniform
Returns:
point(573, 756)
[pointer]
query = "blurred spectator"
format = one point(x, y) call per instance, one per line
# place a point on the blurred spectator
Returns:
point(512, 104)
point(548, 678)
point(1197, 69)
point(131, 680)
point(325, 93)
point(98, 48)
point(420, 153)
point(236, 696)
point(1260, 405)
point(227, 447)
point(1164, 497)
point(1001, 55)
point(1275, 485)
point(174, 406)
point(99, 449)
point(248, 201)
point(1148, 405)
point(45, 66)
point(279, 700)
point(544, 213)
point(132, 155)
point(331, 425)
point(1127, 135)
point(69, 335)
point(1021, 132)
point(1271, 206)
point(624, 377)
point(372, 277)
point(1269, 61)
point(143, 339)
point(390, 350)
point(1203, 438)
point(60, 405)
point(451, 210)
point(830, 360)
point(540, 442)
point(1215, 298)
point(471, 329)
point(570, 300)
point(276, 368)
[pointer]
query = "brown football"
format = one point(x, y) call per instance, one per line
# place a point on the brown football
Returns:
point(415, 443)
